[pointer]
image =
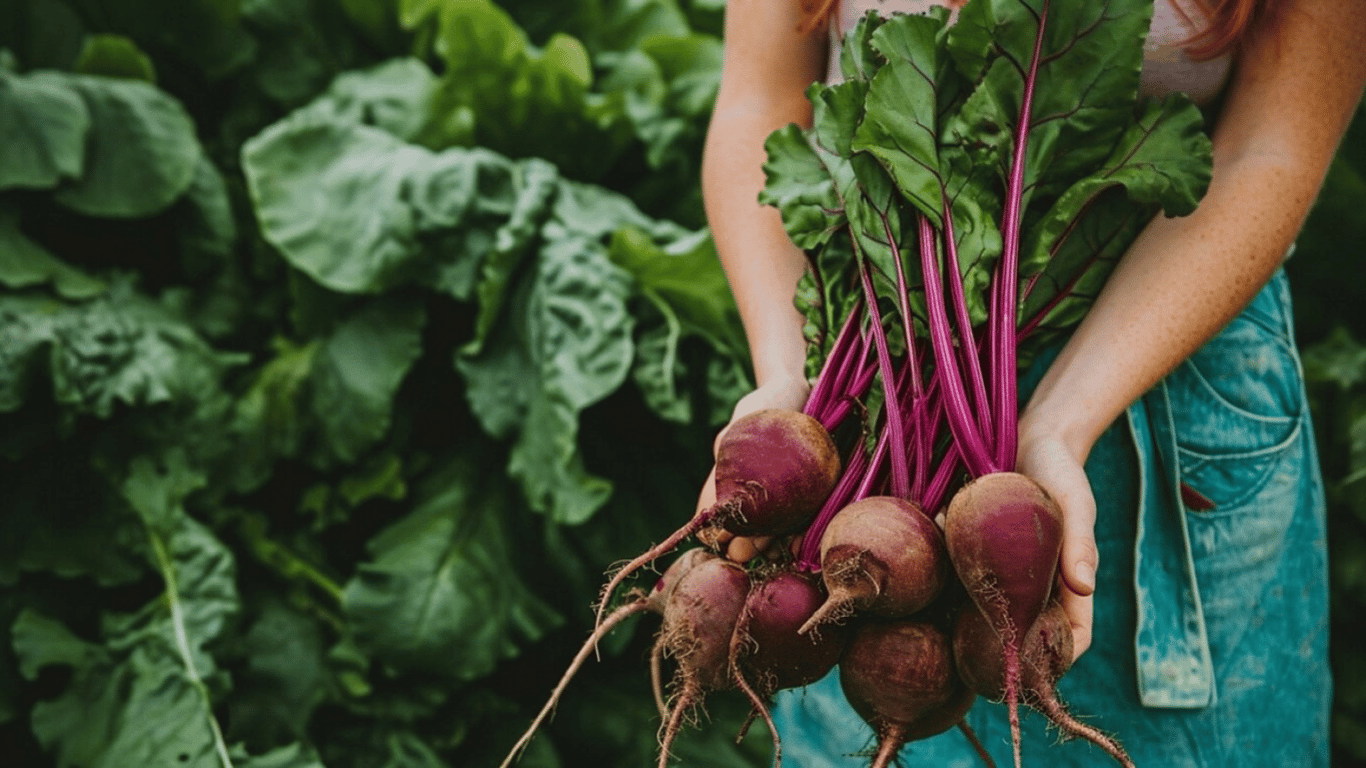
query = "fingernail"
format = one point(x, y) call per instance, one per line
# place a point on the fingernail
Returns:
point(1085, 575)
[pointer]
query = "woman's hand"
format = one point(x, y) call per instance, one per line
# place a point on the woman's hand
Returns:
point(1047, 460)
point(787, 391)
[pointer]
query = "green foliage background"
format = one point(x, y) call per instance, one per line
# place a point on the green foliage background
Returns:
point(344, 344)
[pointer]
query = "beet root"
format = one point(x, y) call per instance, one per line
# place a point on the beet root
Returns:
point(1045, 656)
point(880, 555)
point(774, 470)
point(699, 623)
point(897, 675)
point(1004, 537)
point(768, 653)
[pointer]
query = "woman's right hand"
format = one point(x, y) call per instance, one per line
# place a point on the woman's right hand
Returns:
point(789, 392)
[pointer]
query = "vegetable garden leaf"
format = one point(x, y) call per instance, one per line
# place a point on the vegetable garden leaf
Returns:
point(143, 696)
point(291, 756)
point(525, 101)
point(357, 372)
point(24, 263)
point(392, 96)
point(284, 680)
point(443, 592)
point(125, 347)
point(45, 123)
point(564, 344)
point(332, 198)
point(142, 149)
point(683, 280)
point(72, 525)
point(1339, 360)
point(115, 56)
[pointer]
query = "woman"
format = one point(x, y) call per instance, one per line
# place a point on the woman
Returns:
point(1200, 558)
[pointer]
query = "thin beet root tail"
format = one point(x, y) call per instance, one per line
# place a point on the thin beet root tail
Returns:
point(759, 707)
point(650, 555)
point(849, 586)
point(605, 626)
point(1058, 714)
point(1012, 653)
point(976, 743)
point(890, 740)
point(657, 678)
point(685, 700)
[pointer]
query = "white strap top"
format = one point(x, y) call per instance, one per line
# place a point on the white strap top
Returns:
point(1166, 67)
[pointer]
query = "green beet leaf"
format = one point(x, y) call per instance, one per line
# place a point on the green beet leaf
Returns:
point(24, 263)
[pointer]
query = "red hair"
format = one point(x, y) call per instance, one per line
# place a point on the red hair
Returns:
point(1229, 22)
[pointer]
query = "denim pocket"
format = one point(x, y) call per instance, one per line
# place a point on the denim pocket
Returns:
point(1238, 404)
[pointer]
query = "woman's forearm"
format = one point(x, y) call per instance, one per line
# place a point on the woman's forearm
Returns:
point(761, 263)
point(768, 65)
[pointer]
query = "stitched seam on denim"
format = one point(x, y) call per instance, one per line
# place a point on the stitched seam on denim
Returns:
point(1239, 411)
point(1227, 507)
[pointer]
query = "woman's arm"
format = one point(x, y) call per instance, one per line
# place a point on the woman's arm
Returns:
point(767, 67)
point(1297, 83)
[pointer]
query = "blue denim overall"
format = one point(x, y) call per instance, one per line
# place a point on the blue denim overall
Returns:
point(1211, 610)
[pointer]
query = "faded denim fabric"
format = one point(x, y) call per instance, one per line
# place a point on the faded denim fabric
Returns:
point(1211, 612)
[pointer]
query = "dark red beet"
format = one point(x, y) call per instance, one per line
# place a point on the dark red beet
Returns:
point(655, 601)
point(1045, 656)
point(1004, 537)
point(880, 555)
point(774, 470)
point(699, 622)
point(896, 675)
point(769, 654)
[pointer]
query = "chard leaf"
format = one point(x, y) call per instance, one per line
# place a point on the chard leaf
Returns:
point(290, 756)
point(329, 400)
point(45, 123)
point(393, 96)
point(121, 347)
point(71, 525)
point(143, 696)
point(285, 678)
point(357, 373)
point(523, 100)
point(141, 152)
point(332, 198)
point(442, 593)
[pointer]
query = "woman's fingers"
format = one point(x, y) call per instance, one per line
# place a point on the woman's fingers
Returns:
point(1060, 473)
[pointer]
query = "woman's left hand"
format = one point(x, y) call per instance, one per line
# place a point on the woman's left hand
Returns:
point(1047, 460)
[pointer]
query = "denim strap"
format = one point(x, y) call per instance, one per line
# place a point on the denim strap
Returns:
point(1171, 645)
